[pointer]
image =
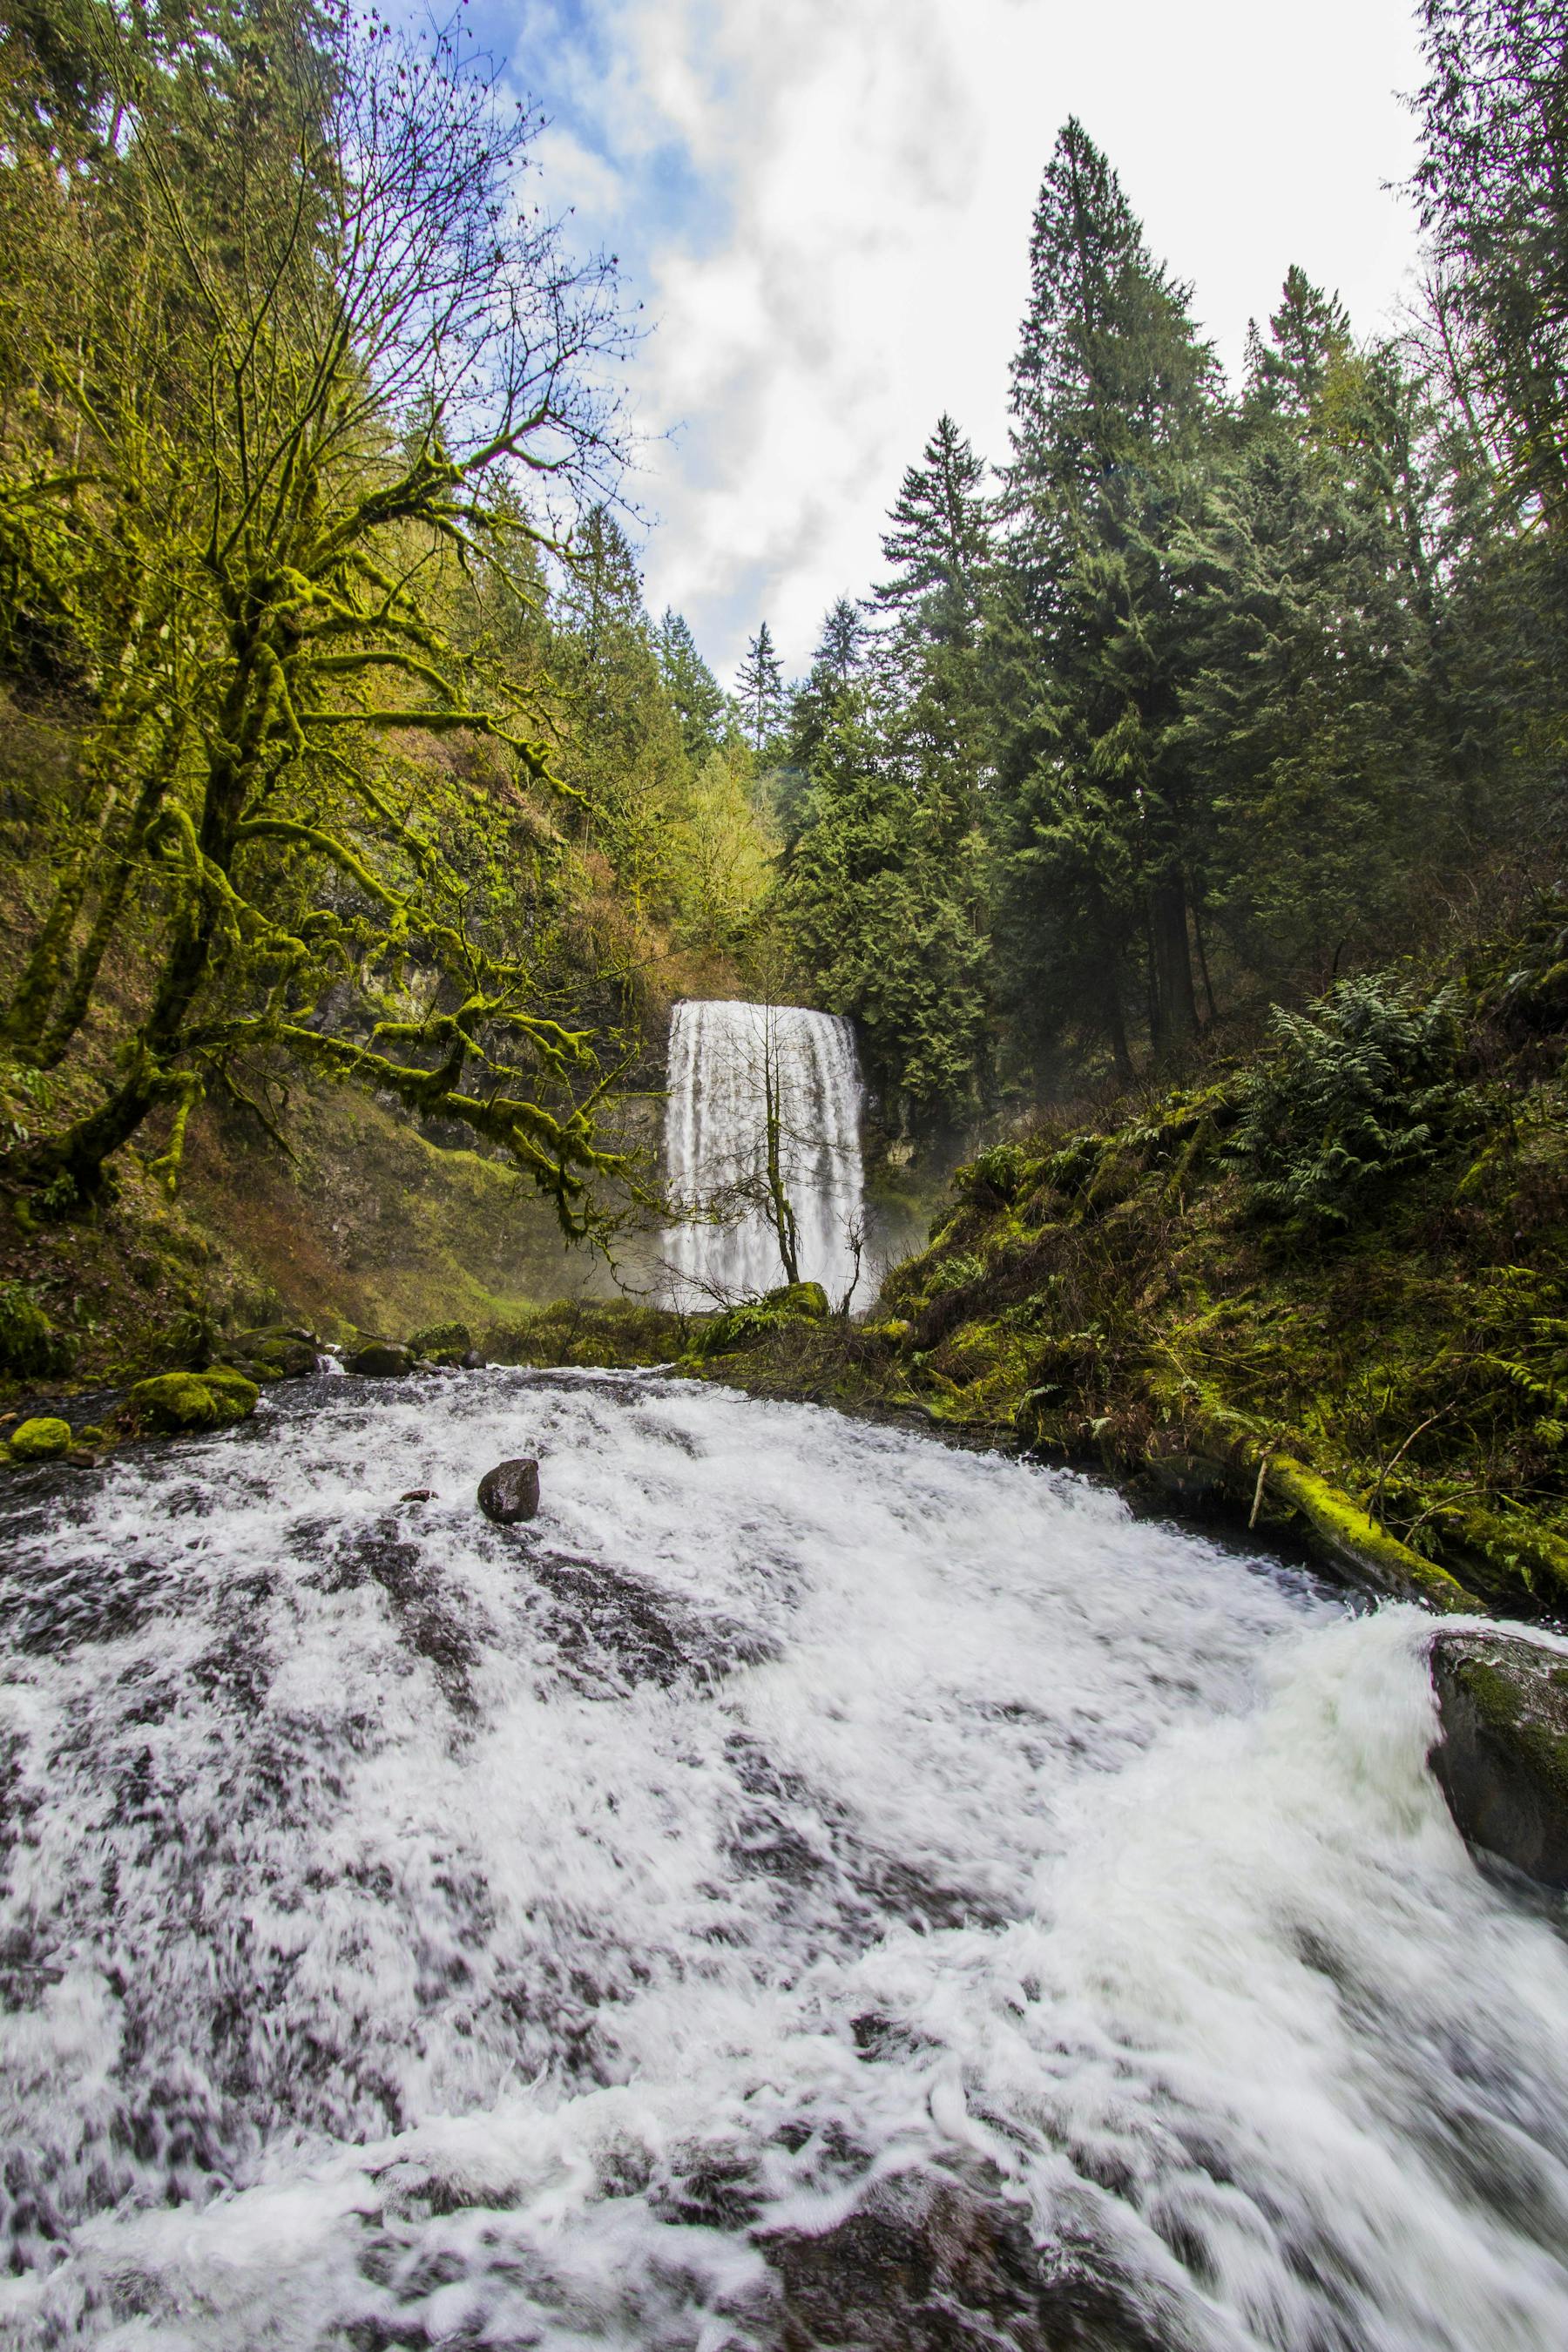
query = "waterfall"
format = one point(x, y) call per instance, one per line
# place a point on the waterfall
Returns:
point(720, 1058)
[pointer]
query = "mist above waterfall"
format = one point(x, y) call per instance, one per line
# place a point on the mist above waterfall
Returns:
point(723, 1059)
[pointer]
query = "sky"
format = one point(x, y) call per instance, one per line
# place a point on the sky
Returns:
point(822, 207)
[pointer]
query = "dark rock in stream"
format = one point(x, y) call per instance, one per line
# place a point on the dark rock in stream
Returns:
point(510, 1491)
point(380, 1361)
point(924, 2267)
point(1503, 1762)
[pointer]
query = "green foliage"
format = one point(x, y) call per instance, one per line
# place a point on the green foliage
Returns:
point(999, 1174)
point(878, 901)
point(759, 688)
point(30, 1347)
point(695, 692)
point(441, 1341)
point(1356, 1097)
point(291, 385)
point(759, 1318)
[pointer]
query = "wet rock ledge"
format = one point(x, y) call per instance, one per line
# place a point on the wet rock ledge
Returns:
point(1502, 1760)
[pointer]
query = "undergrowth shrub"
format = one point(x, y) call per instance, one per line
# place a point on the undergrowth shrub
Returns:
point(30, 1347)
point(1358, 1095)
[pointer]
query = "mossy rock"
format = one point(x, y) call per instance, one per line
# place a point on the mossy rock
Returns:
point(381, 1359)
point(756, 1318)
point(43, 1439)
point(276, 1354)
point(442, 1343)
point(1503, 1762)
point(176, 1402)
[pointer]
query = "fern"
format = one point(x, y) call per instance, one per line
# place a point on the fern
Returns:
point(1358, 1096)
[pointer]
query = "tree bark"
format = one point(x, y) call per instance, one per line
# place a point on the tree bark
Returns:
point(1175, 1002)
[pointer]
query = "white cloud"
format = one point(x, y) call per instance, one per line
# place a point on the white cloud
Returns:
point(825, 204)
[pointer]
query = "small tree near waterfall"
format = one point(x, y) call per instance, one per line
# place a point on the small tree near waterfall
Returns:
point(776, 1204)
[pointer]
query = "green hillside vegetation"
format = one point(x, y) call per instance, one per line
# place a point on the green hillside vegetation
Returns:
point(1346, 1256)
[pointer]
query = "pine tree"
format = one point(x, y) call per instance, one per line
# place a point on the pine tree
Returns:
point(760, 688)
point(1311, 330)
point(1112, 390)
point(1492, 186)
point(696, 693)
point(938, 543)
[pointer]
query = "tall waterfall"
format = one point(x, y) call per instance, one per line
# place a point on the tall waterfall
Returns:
point(722, 1056)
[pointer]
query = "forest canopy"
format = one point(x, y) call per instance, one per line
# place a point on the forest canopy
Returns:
point(345, 746)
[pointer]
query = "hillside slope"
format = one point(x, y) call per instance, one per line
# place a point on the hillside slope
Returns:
point(1328, 1289)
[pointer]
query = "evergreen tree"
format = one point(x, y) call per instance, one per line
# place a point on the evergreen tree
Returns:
point(879, 917)
point(938, 543)
point(840, 649)
point(760, 688)
point(692, 688)
point(1308, 334)
point(1493, 189)
point(1112, 392)
point(817, 699)
point(625, 758)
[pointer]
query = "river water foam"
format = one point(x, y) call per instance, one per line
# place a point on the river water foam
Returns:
point(811, 1887)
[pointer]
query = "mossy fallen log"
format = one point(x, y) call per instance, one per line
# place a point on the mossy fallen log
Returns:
point(1213, 1450)
point(1342, 1529)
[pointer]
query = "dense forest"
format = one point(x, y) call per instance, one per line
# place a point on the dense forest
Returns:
point(340, 746)
point(1211, 694)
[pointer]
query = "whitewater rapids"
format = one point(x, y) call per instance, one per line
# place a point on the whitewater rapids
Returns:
point(802, 1841)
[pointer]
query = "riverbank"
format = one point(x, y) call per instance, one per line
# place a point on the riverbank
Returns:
point(1324, 1293)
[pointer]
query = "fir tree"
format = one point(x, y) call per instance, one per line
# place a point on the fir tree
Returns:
point(1309, 332)
point(1112, 391)
point(696, 693)
point(760, 688)
point(938, 543)
point(1493, 191)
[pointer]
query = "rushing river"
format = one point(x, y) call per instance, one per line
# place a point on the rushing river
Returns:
point(812, 1886)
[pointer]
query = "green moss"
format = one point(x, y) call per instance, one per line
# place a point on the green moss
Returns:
point(174, 1402)
point(1358, 1543)
point(30, 1347)
point(589, 1332)
point(1104, 1293)
point(1508, 1707)
point(755, 1318)
point(41, 1439)
point(442, 1343)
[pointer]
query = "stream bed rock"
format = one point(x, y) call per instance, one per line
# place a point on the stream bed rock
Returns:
point(1503, 1762)
point(510, 1491)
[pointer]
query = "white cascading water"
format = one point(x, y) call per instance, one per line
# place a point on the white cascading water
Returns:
point(720, 1056)
point(804, 1863)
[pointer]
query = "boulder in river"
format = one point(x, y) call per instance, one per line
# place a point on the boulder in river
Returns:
point(1503, 1762)
point(380, 1360)
point(278, 1352)
point(174, 1402)
point(42, 1439)
point(442, 1343)
point(510, 1491)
